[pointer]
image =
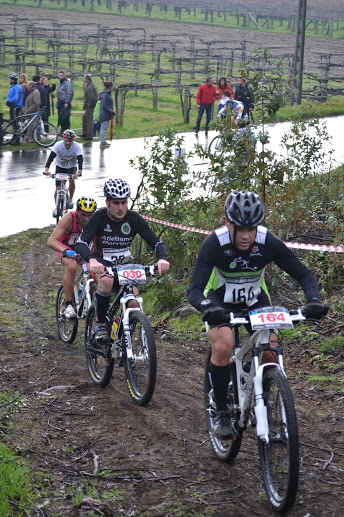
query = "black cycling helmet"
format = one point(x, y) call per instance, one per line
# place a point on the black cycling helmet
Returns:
point(244, 208)
point(116, 189)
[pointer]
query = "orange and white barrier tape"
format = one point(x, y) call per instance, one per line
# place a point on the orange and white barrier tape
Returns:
point(297, 245)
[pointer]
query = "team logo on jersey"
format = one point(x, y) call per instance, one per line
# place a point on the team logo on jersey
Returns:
point(126, 228)
point(107, 228)
point(244, 264)
point(255, 252)
point(227, 252)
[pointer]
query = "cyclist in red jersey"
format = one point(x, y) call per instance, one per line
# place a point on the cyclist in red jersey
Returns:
point(64, 236)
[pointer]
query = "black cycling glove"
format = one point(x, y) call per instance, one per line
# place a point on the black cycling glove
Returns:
point(212, 313)
point(315, 310)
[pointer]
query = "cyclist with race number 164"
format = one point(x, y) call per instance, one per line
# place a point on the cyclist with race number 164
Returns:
point(68, 155)
point(106, 240)
point(229, 276)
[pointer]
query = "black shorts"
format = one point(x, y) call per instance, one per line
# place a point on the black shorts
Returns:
point(61, 170)
point(217, 299)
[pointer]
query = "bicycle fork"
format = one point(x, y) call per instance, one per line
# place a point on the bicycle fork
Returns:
point(245, 392)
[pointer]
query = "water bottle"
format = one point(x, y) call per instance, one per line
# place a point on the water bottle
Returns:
point(81, 285)
point(114, 328)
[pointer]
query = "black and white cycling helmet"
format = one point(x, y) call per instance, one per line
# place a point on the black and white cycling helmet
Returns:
point(13, 75)
point(244, 208)
point(117, 189)
point(68, 133)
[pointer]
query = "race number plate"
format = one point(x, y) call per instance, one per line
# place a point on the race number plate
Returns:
point(270, 318)
point(131, 274)
point(62, 177)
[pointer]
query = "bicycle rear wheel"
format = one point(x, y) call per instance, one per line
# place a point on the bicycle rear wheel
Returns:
point(66, 328)
point(140, 368)
point(8, 133)
point(280, 457)
point(99, 360)
point(226, 450)
point(46, 137)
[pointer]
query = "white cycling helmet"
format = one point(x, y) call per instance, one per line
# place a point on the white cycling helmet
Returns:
point(13, 75)
point(116, 189)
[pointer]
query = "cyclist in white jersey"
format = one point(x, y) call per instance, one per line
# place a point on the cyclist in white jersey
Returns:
point(69, 159)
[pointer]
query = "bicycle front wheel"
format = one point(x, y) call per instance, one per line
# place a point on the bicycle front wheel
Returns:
point(141, 365)
point(8, 133)
point(99, 360)
point(66, 327)
point(280, 457)
point(59, 207)
point(215, 145)
point(226, 450)
point(46, 137)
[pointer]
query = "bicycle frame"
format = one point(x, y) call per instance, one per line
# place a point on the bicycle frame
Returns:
point(81, 306)
point(258, 343)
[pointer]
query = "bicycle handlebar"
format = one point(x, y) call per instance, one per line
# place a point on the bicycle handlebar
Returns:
point(297, 315)
point(113, 270)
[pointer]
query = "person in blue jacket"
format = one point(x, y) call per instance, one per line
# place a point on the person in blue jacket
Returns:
point(106, 112)
point(14, 102)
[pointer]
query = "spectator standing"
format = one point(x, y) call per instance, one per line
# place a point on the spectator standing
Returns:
point(32, 104)
point(48, 90)
point(23, 85)
point(36, 79)
point(90, 100)
point(205, 99)
point(14, 102)
point(243, 93)
point(224, 86)
point(106, 112)
point(64, 101)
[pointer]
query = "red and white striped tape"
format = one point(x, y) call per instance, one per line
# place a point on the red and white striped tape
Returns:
point(298, 245)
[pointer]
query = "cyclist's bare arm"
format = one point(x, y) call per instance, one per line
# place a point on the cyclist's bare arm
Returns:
point(63, 227)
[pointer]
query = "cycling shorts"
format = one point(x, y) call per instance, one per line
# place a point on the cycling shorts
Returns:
point(61, 170)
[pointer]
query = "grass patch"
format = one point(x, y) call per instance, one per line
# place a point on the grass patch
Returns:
point(16, 492)
point(329, 345)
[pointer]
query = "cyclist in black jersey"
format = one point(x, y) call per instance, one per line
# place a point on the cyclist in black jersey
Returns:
point(229, 276)
point(106, 240)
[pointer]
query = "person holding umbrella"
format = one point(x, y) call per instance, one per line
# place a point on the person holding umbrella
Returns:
point(106, 112)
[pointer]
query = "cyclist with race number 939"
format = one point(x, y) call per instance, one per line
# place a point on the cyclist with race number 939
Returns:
point(68, 155)
point(229, 276)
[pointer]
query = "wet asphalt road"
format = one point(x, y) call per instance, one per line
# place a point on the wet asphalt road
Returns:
point(27, 196)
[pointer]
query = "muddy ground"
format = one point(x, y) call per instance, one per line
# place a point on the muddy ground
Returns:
point(157, 459)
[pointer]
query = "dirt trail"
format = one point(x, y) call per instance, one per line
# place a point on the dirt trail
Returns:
point(158, 460)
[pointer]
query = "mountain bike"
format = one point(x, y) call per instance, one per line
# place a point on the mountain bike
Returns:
point(84, 289)
point(131, 340)
point(259, 396)
point(62, 194)
point(44, 133)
